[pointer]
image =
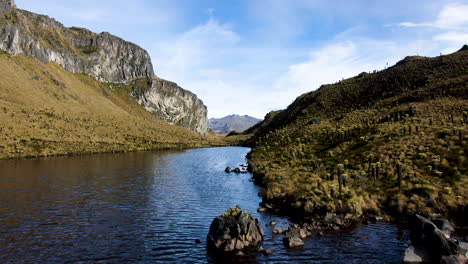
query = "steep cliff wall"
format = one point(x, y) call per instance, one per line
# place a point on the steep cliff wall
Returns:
point(172, 104)
point(103, 56)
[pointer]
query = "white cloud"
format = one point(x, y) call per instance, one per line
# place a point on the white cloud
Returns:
point(452, 16)
point(277, 50)
point(411, 24)
point(205, 60)
point(342, 59)
point(453, 36)
point(192, 50)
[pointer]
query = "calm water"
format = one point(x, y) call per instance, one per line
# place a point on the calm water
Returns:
point(149, 207)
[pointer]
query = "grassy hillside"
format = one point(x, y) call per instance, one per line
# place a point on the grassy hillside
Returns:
point(45, 110)
point(391, 142)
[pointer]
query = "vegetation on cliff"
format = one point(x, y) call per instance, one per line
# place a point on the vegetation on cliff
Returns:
point(393, 141)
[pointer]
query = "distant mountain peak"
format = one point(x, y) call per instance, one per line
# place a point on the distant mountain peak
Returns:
point(231, 123)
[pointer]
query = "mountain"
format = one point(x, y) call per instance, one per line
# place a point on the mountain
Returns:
point(390, 142)
point(232, 123)
point(103, 56)
point(71, 91)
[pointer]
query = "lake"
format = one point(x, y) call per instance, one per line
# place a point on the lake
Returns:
point(149, 207)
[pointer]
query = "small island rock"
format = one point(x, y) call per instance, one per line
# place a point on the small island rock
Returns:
point(234, 230)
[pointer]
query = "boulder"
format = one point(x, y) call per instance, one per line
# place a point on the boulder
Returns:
point(453, 259)
point(265, 252)
point(417, 255)
point(237, 170)
point(272, 223)
point(280, 230)
point(293, 242)
point(425, 235)
point(444, 225)
point(228, 170)
point(234, 230)
point(293, 238)
point(464, 246)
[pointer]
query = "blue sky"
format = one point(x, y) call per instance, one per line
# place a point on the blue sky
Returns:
point(254, 56)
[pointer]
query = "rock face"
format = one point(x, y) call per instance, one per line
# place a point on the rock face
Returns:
point(234, 230)
point(173, 104)
point(103, 56)
point(7, 4)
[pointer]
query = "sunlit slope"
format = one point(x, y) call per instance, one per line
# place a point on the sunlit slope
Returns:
point(46, 110)
point(393, 141)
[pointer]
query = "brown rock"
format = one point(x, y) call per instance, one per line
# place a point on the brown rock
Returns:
point(234, 230)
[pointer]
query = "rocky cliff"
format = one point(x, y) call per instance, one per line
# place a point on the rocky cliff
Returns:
point(172, 104)
point(103, 56)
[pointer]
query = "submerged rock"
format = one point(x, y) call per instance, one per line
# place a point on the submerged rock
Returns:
point(234, 230)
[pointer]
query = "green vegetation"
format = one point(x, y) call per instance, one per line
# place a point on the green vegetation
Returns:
point(46, 110)
point(389, 142)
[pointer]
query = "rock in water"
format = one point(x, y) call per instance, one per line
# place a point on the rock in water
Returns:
point(416, 255)
point(234, 230)
point(280, 230)
point(293, 238)
point(426, 237)
point(293, 242)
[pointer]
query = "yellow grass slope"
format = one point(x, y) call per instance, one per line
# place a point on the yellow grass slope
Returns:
point(45, 110)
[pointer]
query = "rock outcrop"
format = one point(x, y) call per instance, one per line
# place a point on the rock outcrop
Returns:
point(103, 56)
point(234, 230)
point(173, 104)
point(430, 244)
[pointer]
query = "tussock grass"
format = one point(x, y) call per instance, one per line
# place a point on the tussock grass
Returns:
point(393, 141)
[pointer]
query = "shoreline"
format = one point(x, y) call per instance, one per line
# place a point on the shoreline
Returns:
point(91, 152)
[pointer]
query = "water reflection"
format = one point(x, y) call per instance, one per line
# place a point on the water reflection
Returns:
point(149, 207)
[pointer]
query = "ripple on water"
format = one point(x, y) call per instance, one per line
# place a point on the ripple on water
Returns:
point(149, 207)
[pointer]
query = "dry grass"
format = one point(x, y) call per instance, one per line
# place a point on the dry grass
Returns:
point(45, 110)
